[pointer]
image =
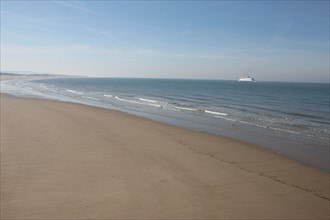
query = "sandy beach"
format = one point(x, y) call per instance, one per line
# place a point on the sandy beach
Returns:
point(68, 161)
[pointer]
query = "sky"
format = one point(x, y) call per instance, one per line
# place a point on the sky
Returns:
point(269, 40)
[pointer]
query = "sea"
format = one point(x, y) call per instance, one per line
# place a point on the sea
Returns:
point(291, 119)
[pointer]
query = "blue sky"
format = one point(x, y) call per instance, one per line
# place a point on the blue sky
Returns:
point(271, 40)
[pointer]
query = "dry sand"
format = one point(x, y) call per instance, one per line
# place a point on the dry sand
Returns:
point(68, 161)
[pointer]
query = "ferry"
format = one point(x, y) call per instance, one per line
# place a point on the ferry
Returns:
point(246, 79)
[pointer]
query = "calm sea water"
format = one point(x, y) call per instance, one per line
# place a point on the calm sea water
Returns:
point(289, 118)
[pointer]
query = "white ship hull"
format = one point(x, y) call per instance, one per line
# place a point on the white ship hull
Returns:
point(246, 79)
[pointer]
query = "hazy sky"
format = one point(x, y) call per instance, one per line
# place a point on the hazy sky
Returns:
point(271, 40)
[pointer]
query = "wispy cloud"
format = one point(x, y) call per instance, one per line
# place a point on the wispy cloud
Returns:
point(8, 13)
point(112, 37)
point(86, 27)
point(12, 34)
point(65, 3)
point(145, 53)
point(101, 32)
point(144, 62)
point(19, 21)
point(85, 9)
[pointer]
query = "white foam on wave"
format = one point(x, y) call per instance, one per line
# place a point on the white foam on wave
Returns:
point(254, 124)
point(268, 127)
point(148, 100)
point(109, 96)
point(288, 131)
point(215, 113)
point(185, 108)
point(135, 102)
point(126, 100)
point(75, 92)
point(228, 119)
point(88, 97)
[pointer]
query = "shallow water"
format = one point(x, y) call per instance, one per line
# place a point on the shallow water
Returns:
point(289, 118)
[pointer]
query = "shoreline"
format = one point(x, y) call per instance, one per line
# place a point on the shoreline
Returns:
point(77, 161)
point(310, 154)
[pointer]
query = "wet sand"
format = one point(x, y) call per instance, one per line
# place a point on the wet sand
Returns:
point(68, 161)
